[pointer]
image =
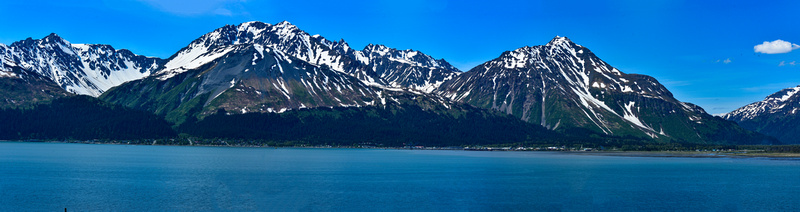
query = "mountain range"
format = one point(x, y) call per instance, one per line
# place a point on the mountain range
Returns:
point(85, 69)
point(260, 68)
point(374, 65)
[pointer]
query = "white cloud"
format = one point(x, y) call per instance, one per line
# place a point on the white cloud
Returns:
point(775, 47)
point(726, 61)
point(784, 63)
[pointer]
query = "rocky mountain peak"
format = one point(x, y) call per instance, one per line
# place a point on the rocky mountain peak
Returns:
point(374, 65)
point(781, 103)
point(562, 85)
point(785, 94)
point(557, 40)
point(285, 23)
point(88, 69)
point(53, 38)
point(778, 115)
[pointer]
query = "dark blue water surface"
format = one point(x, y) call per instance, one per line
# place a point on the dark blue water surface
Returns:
point(87, 177)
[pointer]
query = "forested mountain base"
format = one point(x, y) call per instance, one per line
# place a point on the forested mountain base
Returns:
point(81, 118)
point(394, 126)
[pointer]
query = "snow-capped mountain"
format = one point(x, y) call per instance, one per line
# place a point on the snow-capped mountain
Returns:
point(250, 77)
point(375, 65)
point(20, 88)
point(563, 85)
point(259, 67)
point(88, 69)
point(6, 64)
point(407, 68)
point(777, 115)
point(784, 102)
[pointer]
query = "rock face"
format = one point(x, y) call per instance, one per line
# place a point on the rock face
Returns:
point(564, 86)
point(374, 65)
point(257, 67)
point(86, 69)
point(776, 115)
point(20, 88)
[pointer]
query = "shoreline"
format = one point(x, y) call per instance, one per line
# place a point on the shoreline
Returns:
point(693, 154)
point(663, 154)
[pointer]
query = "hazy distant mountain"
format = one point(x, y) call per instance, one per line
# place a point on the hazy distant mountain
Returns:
point(563, 85)
point(88, 69)
point(776, 115)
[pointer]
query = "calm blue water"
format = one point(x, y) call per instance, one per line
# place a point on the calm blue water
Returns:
point(85, 177)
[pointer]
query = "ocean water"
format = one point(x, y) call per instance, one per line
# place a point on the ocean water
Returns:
point(90, 177)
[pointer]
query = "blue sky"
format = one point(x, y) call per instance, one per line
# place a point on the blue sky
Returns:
point(702, 51)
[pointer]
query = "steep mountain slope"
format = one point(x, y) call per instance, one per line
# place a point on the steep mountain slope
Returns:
point(250, 78)
point(245, 78)
point(375, 65)
point(407, 68)
point(20, 88)
point(777, 115)
point(258, 67)
point(563, 85)
point(87, 69)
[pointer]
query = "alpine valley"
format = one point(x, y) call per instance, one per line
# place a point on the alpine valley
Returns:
point(277, 84)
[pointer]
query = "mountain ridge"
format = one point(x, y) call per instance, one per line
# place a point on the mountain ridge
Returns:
point(374, 65)
point(87, 69)
point(776, 115)
point(259, 67)
point(564, 85)
point(251, 78)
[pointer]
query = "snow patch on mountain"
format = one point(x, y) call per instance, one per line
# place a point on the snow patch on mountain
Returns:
point(785, 101)
point(88, 69)
point(631, 116)
point(6, 64)
point(374, 65)
point(788, 93)
point(528, 77)
point(192, 59)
